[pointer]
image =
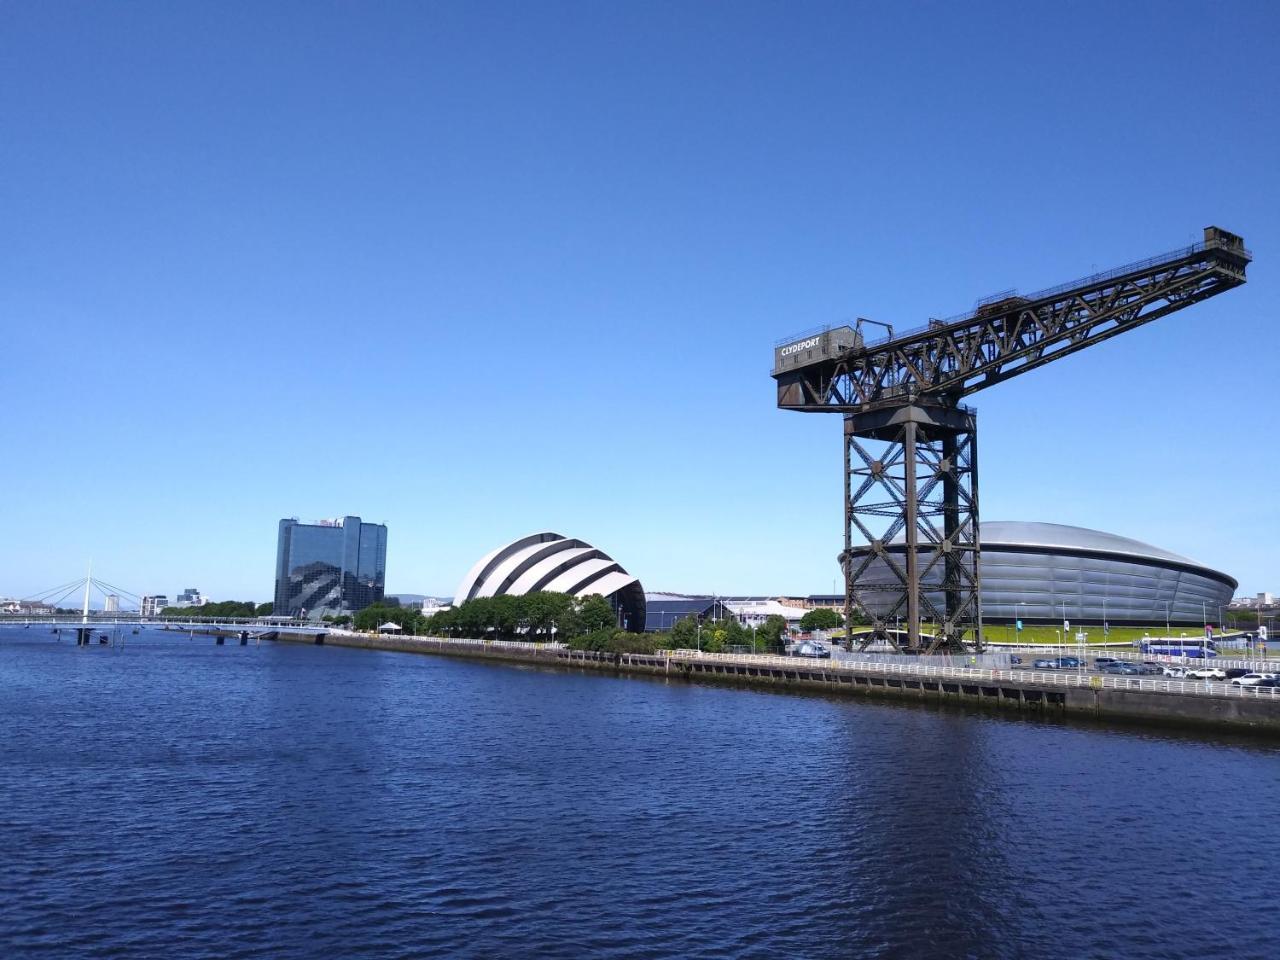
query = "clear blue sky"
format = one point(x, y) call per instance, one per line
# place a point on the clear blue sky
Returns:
point(479, 269)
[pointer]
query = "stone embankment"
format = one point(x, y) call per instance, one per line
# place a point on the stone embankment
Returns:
point(1147, 700)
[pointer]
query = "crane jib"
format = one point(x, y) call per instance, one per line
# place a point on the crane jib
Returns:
point(835, 370)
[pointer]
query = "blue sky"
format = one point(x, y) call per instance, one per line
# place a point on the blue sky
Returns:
point(475, 270)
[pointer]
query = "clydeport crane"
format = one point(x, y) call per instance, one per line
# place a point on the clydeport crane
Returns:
point(911, 502)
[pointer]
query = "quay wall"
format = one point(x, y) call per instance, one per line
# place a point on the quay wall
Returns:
point(1205, 706)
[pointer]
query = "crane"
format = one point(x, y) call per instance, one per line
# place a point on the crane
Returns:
point(911, 546)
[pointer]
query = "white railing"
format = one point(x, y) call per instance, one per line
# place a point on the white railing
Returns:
point(1064, 678)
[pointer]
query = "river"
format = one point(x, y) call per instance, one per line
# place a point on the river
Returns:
point(173, 798)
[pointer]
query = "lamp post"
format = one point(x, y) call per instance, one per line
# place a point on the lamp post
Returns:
point(1168, 631)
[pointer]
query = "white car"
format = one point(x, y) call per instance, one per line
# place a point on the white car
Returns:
point(1206, 673)
point(1252, 679)
point(1178, 672)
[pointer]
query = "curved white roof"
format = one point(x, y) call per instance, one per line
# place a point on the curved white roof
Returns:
point(544, 561)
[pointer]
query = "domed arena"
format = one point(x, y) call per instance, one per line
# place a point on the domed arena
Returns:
point(1048, 572)
point(559, 564)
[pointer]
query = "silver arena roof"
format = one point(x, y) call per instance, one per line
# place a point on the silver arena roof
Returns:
point(1051, 572)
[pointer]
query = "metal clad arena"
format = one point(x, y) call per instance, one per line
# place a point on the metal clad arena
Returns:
point(1047, 572)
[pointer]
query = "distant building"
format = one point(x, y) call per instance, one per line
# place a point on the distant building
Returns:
point(754, 611)
point(112, 604)
point(190, 597)
point(152, 606)
point(28, 608)
point(432, 606)
point(330, 567)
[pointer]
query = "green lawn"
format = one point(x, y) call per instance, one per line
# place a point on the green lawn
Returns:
point(1005, 633)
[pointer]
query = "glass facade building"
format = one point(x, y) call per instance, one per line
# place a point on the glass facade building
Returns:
point(330, 567)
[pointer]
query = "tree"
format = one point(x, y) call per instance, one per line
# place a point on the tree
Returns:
point(372, 617)
point(264, 610)
point(684, 635)
point(596, 613)
point(821, 618)
point(769, 634)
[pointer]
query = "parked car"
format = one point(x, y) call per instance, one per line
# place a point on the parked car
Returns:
point(1103, 661)
point(1235, 672)
point(812, 649)
point(1071, 662)
point(1014, 659)
point(1253, 679)
point(1207, 673)
point(1146, 668)
point(1046, 664)
point(1177, 672)
point(1120, 668)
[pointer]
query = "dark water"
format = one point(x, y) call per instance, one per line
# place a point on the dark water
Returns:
point(178, 799)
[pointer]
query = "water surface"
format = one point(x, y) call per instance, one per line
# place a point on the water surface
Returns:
point(179, 799)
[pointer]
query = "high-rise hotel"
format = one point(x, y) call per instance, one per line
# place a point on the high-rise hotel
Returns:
point(330, 567)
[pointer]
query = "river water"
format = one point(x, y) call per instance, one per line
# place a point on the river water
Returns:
point(174, 798)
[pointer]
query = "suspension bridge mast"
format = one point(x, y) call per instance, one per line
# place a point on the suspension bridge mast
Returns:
point(911, 531)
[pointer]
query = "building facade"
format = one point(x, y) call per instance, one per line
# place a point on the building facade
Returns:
point(331, 567)
point(153, 605)
point(191, 597)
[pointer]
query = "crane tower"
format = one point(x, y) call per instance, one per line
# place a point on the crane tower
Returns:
point(911, 544)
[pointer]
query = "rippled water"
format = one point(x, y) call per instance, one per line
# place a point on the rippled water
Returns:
point(180, 799)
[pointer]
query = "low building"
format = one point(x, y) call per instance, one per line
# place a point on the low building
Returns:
point(664, 610)
point(27, 608)
point(754, 611)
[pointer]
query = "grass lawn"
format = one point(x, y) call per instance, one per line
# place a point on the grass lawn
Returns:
point(1037, 633)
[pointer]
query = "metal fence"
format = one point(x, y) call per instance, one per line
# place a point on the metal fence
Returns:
point(1059, 678)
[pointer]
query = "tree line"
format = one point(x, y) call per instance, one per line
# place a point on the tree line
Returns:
point(582, 623)
point(224, 608)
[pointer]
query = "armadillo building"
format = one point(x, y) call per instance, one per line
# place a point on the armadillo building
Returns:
point(1047, 572)
point(549, 561)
